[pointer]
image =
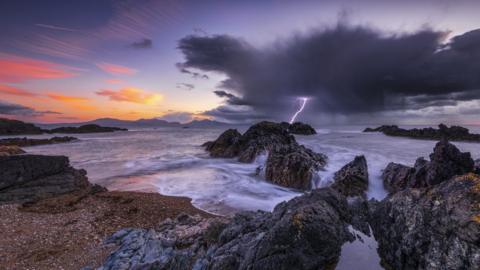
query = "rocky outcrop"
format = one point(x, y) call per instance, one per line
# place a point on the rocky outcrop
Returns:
point(301, 129)
point(226, 146)
point(453, 133)
point(32, 177)
point(14, 127)
point(90, 128)
point(305, 233)
point(445, 162)
point(293, 166)
point(22, 142)
point(352, 179)
point(10, 150)
point(431, 228)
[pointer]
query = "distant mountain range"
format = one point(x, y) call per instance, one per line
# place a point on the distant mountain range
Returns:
point(141, 123)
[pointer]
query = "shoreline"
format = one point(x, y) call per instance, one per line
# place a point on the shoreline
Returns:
point(67, 231)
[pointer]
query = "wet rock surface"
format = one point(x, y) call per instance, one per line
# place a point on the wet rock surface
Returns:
point(26, 178)
point(14, 127)
point(430, 228)
point(293, 166)
point(22, 142)
point(352, 179)
point(289, 164)
point(477, 166)
point(305, 233)
point(10, 150)
point(301, 129)
point(445, 162)
point(453, 133)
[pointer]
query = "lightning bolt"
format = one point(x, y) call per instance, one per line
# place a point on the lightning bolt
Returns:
point(304, 102)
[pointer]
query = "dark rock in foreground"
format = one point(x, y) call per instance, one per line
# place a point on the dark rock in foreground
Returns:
point(293, 166)
point(301, 129)
point(305, 233)
point(433, 228)
point(14, 127)
point(226, 146)
point(477, 166)
point(453, 133)
point(91, 128)
point(445, 162)
point(26, 178)
point(22, 142)
point(352, 179)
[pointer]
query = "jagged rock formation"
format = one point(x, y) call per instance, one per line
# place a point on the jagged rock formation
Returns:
point(22, 142)
point(430, 228)
point(352, 179)
point(10, 150)
point(26, 178)
point(305, 233)
point(14, 127)
point(301, 129)
point(445, 162)
point(453, 133)
point(91, 128)
point(289, 164)
point(293, 166)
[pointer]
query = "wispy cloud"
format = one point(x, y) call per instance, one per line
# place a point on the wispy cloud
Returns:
point(186, 86)
point(15, 69)
point(14, 91)
point(55, 27)
point(116, 69)
point(131, 94)
point(64, 98)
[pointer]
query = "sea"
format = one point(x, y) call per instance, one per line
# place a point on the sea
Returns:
point(171, 161)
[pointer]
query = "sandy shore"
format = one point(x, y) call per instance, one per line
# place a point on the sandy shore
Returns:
point(66, 232)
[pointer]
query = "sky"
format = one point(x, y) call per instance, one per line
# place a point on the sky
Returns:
point(412, 62)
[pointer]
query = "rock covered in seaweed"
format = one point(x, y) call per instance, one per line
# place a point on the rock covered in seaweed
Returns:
point(293, 166)
point(305, 233)
point(352, 179)
point(431, 228)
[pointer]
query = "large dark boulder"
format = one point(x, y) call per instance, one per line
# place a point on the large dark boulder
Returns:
point(396, 176)
point(301, 129)
point(226, 146)
point(32, 177)
point(305, 233)
point(293, 166)
point(14, 127)
point(430, 228)
point(22, 142)
point(259, 138)
point(445, 162)
point(90, 128)
point(352, 179)
point(453, 133)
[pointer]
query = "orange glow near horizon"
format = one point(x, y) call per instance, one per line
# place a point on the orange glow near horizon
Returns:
point(132, 94)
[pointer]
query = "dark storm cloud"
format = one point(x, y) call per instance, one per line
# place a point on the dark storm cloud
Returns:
point(143, 44)
point(235, 114)
point(231, 98)
point(195, 75)
point(344, 69)
point(20, 110)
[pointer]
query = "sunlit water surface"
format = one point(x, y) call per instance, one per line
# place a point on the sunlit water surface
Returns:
point(171, 161)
